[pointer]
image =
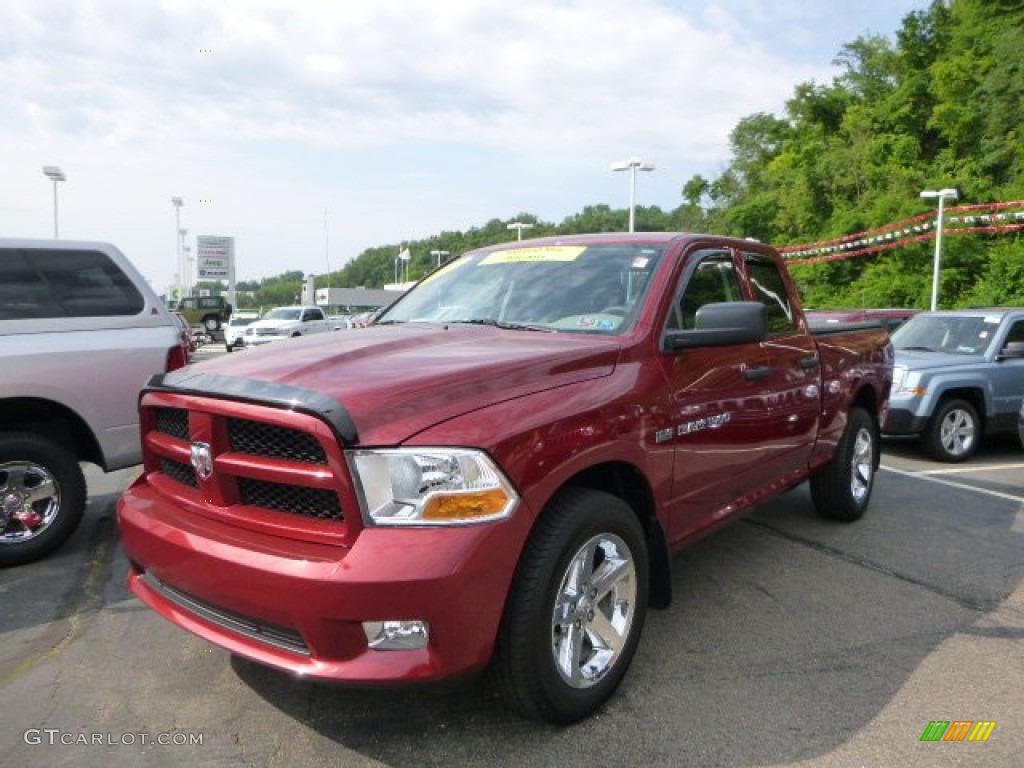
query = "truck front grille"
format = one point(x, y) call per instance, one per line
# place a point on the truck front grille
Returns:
point(266, 463)
point(183, 473)
point(310, 502)
point(262, 439)
point(173, 422)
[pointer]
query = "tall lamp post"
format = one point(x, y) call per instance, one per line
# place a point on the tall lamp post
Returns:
point(186, 275)
point(439, 254)
point(943, 195)
point(54, 174)
point(632, 165)
point(519, 226)
point(189, 281)
point(177, 202)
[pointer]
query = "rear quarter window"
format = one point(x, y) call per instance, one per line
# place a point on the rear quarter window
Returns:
point(64, 283)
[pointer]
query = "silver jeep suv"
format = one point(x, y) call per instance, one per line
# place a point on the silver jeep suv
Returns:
point(80, 333)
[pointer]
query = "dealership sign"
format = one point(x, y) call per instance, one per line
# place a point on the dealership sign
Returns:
point(215, 257)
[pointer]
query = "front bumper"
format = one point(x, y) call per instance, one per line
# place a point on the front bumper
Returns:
point(901, 421)
point(299, 606)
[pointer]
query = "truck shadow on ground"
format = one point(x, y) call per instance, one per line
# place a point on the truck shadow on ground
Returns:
point(786, 636)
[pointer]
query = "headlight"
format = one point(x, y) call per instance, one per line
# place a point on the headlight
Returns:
point(431, 486)
point(897, 378)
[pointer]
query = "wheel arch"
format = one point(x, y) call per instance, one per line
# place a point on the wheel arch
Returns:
point(627, 482)
point(973, 395)
point(52, 420)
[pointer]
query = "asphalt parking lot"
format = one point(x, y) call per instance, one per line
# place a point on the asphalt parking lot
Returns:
point(791, 642)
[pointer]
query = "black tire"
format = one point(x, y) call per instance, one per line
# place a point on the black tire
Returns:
point(585, 529)
point(842, 488)
point(30, 463)
point(953, 432)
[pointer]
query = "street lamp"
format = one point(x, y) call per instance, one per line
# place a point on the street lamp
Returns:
point(519, 226)
point(187, 279)
point(439, 254)
point(632, 165)
point(177, 202)
point(190, 274)
point(943, 195)
point(54, 174)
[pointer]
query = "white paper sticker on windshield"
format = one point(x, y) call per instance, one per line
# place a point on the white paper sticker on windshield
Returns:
point(640, 262)
point(549, 253)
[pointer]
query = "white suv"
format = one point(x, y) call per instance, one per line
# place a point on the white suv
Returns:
point(235, 329)
point(80, 333)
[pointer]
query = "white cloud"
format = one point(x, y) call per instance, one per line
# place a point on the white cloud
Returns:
point(402, 118)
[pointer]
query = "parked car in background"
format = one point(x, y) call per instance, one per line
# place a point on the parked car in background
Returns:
point(959, 375)
point(891, 318)
point(340, 322)
point(211, 312)
point(234, 331)
point(286, 322)
point(80, 332)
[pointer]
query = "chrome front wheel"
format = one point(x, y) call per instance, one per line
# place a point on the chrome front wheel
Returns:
point(573, 618)
point(594, 610)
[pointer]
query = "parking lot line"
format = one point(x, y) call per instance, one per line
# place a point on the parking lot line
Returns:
point(929, 476)
point(978, 468)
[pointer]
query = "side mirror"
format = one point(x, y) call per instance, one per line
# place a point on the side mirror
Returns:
point(722, 324)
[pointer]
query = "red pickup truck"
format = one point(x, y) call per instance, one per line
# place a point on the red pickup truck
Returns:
point(495, 474)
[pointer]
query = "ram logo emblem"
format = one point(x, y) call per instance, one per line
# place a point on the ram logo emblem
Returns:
point(202, 460)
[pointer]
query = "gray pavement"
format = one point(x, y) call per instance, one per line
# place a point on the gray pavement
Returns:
point(791, 642)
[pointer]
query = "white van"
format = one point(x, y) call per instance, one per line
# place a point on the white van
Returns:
point(80, 333)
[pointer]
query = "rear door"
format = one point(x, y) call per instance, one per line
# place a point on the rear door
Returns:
point(794, 379)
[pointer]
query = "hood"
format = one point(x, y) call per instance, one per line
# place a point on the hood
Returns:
point(396, 381)
point(920, 360)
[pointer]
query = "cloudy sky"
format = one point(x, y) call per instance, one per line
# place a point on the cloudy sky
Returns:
point(398, 118)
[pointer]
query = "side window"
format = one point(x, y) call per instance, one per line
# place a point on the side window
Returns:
point(713, 280)
point(44, 283)
point(1016, 334)
point(23, 292)
point(770, 289)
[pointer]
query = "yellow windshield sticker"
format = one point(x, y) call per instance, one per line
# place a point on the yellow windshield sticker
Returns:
point(451, 265)
point(549, 253)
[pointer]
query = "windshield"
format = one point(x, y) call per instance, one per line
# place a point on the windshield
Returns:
point(586, 289)
point(953, 334)
point(283, 313)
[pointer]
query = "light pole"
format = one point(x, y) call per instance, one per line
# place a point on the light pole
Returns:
point(177, 202)
point(632, 165)
point(187, 276)
point(54, 174)
point(519, 226)
point(439, 254)
point(189, 284)
point(943, 195)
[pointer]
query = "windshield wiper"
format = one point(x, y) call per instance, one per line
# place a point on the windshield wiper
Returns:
point(919, 349)
point(389, 322)
point(503, 324)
